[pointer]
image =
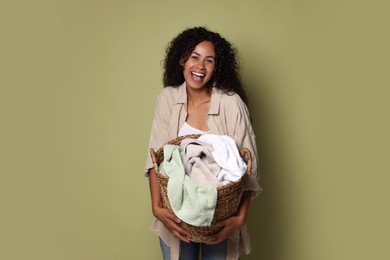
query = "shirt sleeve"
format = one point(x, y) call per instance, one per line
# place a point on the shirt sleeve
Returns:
point(239, 124)
point(159, 131)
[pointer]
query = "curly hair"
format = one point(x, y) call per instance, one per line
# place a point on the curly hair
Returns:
point(226, 75)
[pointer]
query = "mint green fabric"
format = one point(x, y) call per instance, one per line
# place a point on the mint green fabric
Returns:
point(192, 202)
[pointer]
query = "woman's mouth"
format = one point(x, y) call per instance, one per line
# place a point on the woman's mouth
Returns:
point(197, 76)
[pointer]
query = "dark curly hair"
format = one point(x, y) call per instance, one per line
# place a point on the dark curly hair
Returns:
point(227, 71)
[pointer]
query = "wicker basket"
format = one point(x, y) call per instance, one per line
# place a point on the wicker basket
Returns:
point(228, 198)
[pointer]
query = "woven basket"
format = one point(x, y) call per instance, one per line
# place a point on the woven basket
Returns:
point(228, 198)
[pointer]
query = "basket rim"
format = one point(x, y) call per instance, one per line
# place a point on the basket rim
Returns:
point(243, 151)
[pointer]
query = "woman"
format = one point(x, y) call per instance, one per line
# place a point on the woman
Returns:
point(202, 93)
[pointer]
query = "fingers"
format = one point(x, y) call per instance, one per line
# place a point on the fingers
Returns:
point(229, 225)
point(216, 241)
point(216, 238)
point(180, 236)
point(175, 221)
point(180, 233)
point(220, 224)
point(213, 240)
point(173, 217)
point(171, 222)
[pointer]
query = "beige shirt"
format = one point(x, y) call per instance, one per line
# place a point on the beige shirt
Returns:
point(228, 115)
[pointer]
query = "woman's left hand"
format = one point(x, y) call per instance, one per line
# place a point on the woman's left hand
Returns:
point(230, 225)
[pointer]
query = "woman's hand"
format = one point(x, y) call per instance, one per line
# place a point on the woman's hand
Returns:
point(230, 225)
point(233, 223)
point(171, 222)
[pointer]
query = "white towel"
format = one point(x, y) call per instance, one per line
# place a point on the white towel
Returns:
point(227, 156)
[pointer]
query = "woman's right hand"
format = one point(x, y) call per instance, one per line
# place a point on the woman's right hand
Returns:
point(171, 222)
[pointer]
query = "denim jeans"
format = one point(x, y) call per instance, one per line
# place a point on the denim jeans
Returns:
point(190, 251)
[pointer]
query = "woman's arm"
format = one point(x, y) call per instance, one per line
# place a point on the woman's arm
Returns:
point(240, 128)
point(169, 220)
point(233, 223)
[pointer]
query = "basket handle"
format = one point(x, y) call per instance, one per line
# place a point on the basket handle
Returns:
point(154, 160)
point(247, 156)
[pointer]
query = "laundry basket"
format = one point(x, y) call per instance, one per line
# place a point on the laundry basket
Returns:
point(228, 196)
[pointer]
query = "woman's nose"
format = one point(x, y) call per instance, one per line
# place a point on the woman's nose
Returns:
point(201, 64)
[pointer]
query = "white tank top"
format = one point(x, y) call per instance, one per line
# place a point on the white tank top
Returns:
point(186, 129)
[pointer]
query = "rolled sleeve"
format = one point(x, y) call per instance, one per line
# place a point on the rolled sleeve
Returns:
point(160, 125)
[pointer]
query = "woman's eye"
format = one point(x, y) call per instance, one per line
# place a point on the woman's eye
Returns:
point(194, 57)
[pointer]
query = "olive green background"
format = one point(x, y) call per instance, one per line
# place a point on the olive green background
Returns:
point(79, 81)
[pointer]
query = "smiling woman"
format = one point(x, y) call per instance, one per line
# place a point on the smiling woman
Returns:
point(197, 71)
point(202, 94)
point(199, 67)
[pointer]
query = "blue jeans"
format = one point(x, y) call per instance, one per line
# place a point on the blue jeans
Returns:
point(190, 251)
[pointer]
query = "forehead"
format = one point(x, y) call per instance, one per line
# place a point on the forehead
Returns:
point(205, 48)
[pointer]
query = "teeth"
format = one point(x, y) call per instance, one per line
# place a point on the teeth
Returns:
point(198, 74)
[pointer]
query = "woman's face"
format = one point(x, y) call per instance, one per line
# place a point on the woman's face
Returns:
point(199, 67)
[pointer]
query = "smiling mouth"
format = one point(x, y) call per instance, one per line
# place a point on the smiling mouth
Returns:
point(199, 75)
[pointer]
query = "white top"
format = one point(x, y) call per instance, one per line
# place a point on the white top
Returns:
point(186, 129)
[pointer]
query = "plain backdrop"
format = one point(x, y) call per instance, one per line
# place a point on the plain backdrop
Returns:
point(79, 81)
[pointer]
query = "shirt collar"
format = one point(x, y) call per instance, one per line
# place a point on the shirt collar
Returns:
point(215, 101)
point(181, 94)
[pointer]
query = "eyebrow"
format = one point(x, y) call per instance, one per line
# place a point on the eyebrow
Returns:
point(194, 52)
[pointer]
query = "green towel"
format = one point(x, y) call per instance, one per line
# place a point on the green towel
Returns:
point(192, 202)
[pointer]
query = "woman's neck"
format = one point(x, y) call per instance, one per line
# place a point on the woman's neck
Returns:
point(198, 96)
